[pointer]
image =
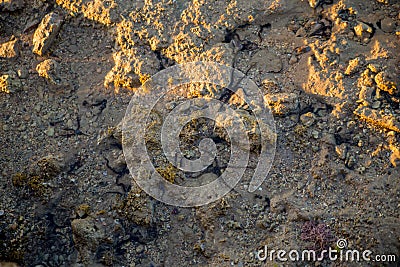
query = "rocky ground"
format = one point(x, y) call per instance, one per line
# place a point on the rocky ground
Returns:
point(68, 69)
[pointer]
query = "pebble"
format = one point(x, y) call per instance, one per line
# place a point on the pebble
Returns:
point(9, 49)
point(341, 151)
point(315, 134)
point(1, 212)
point(350, 161)
point(282, 103)
point(37, 107)
point(10, 83)
point(376, 104)
point(363, 30)
point(73, 48)
point(23, 73)
point(313, 3)
point(307, 119)
point(353, 66)
point(139, 249)
point(293, 59)
point(22, 128)
point(388, 25)
point(70, 123)
point(373, 67)
point(301, 32)
point(14, 226)
point(50, 131)
point(49, 69)
point(26, 117)
point(314, 148)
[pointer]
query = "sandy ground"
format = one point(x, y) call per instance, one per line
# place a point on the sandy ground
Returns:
point(68, 69)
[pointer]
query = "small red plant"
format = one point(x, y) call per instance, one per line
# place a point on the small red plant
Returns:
point(317, 235)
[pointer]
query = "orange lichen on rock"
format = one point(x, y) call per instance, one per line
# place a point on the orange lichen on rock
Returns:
point(377, 118)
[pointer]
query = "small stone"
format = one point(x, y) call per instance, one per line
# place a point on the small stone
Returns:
point(307, 119)
point(234, 225)
point(388, 25)
point(26, 117)
point(82, 210)
point(315, 134)
point(9, 49)
point(395, 156)
point(139, 249)
point(374, 68)
point(14, 226)
point(300, 185)
point(1, 212)
point(282, 103)
point(46, 33)
point(87, 236)
point(376, 105)
point(49, 70)
point(23, 73)
point(70, 123)
point(353, 66)
point(328, 139)
point(269, 83)
point(384, 83)
point(350, 161)
point(50, 131)
point(363, 30)
point(117, 161)
point(341, 151)
point(37, 107)
point(313, 3)
point(301, 32)
point(10, 83)
point(22, 128)
point(314, 148)
point(293, 59)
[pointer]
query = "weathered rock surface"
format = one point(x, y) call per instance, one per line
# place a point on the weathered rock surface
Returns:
point(87, 237)
point(49, 70)
point(282, 103)
point(9, 49)
point(9, 83)
point(46, 33)
point(11, 5)
point(376, 118)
